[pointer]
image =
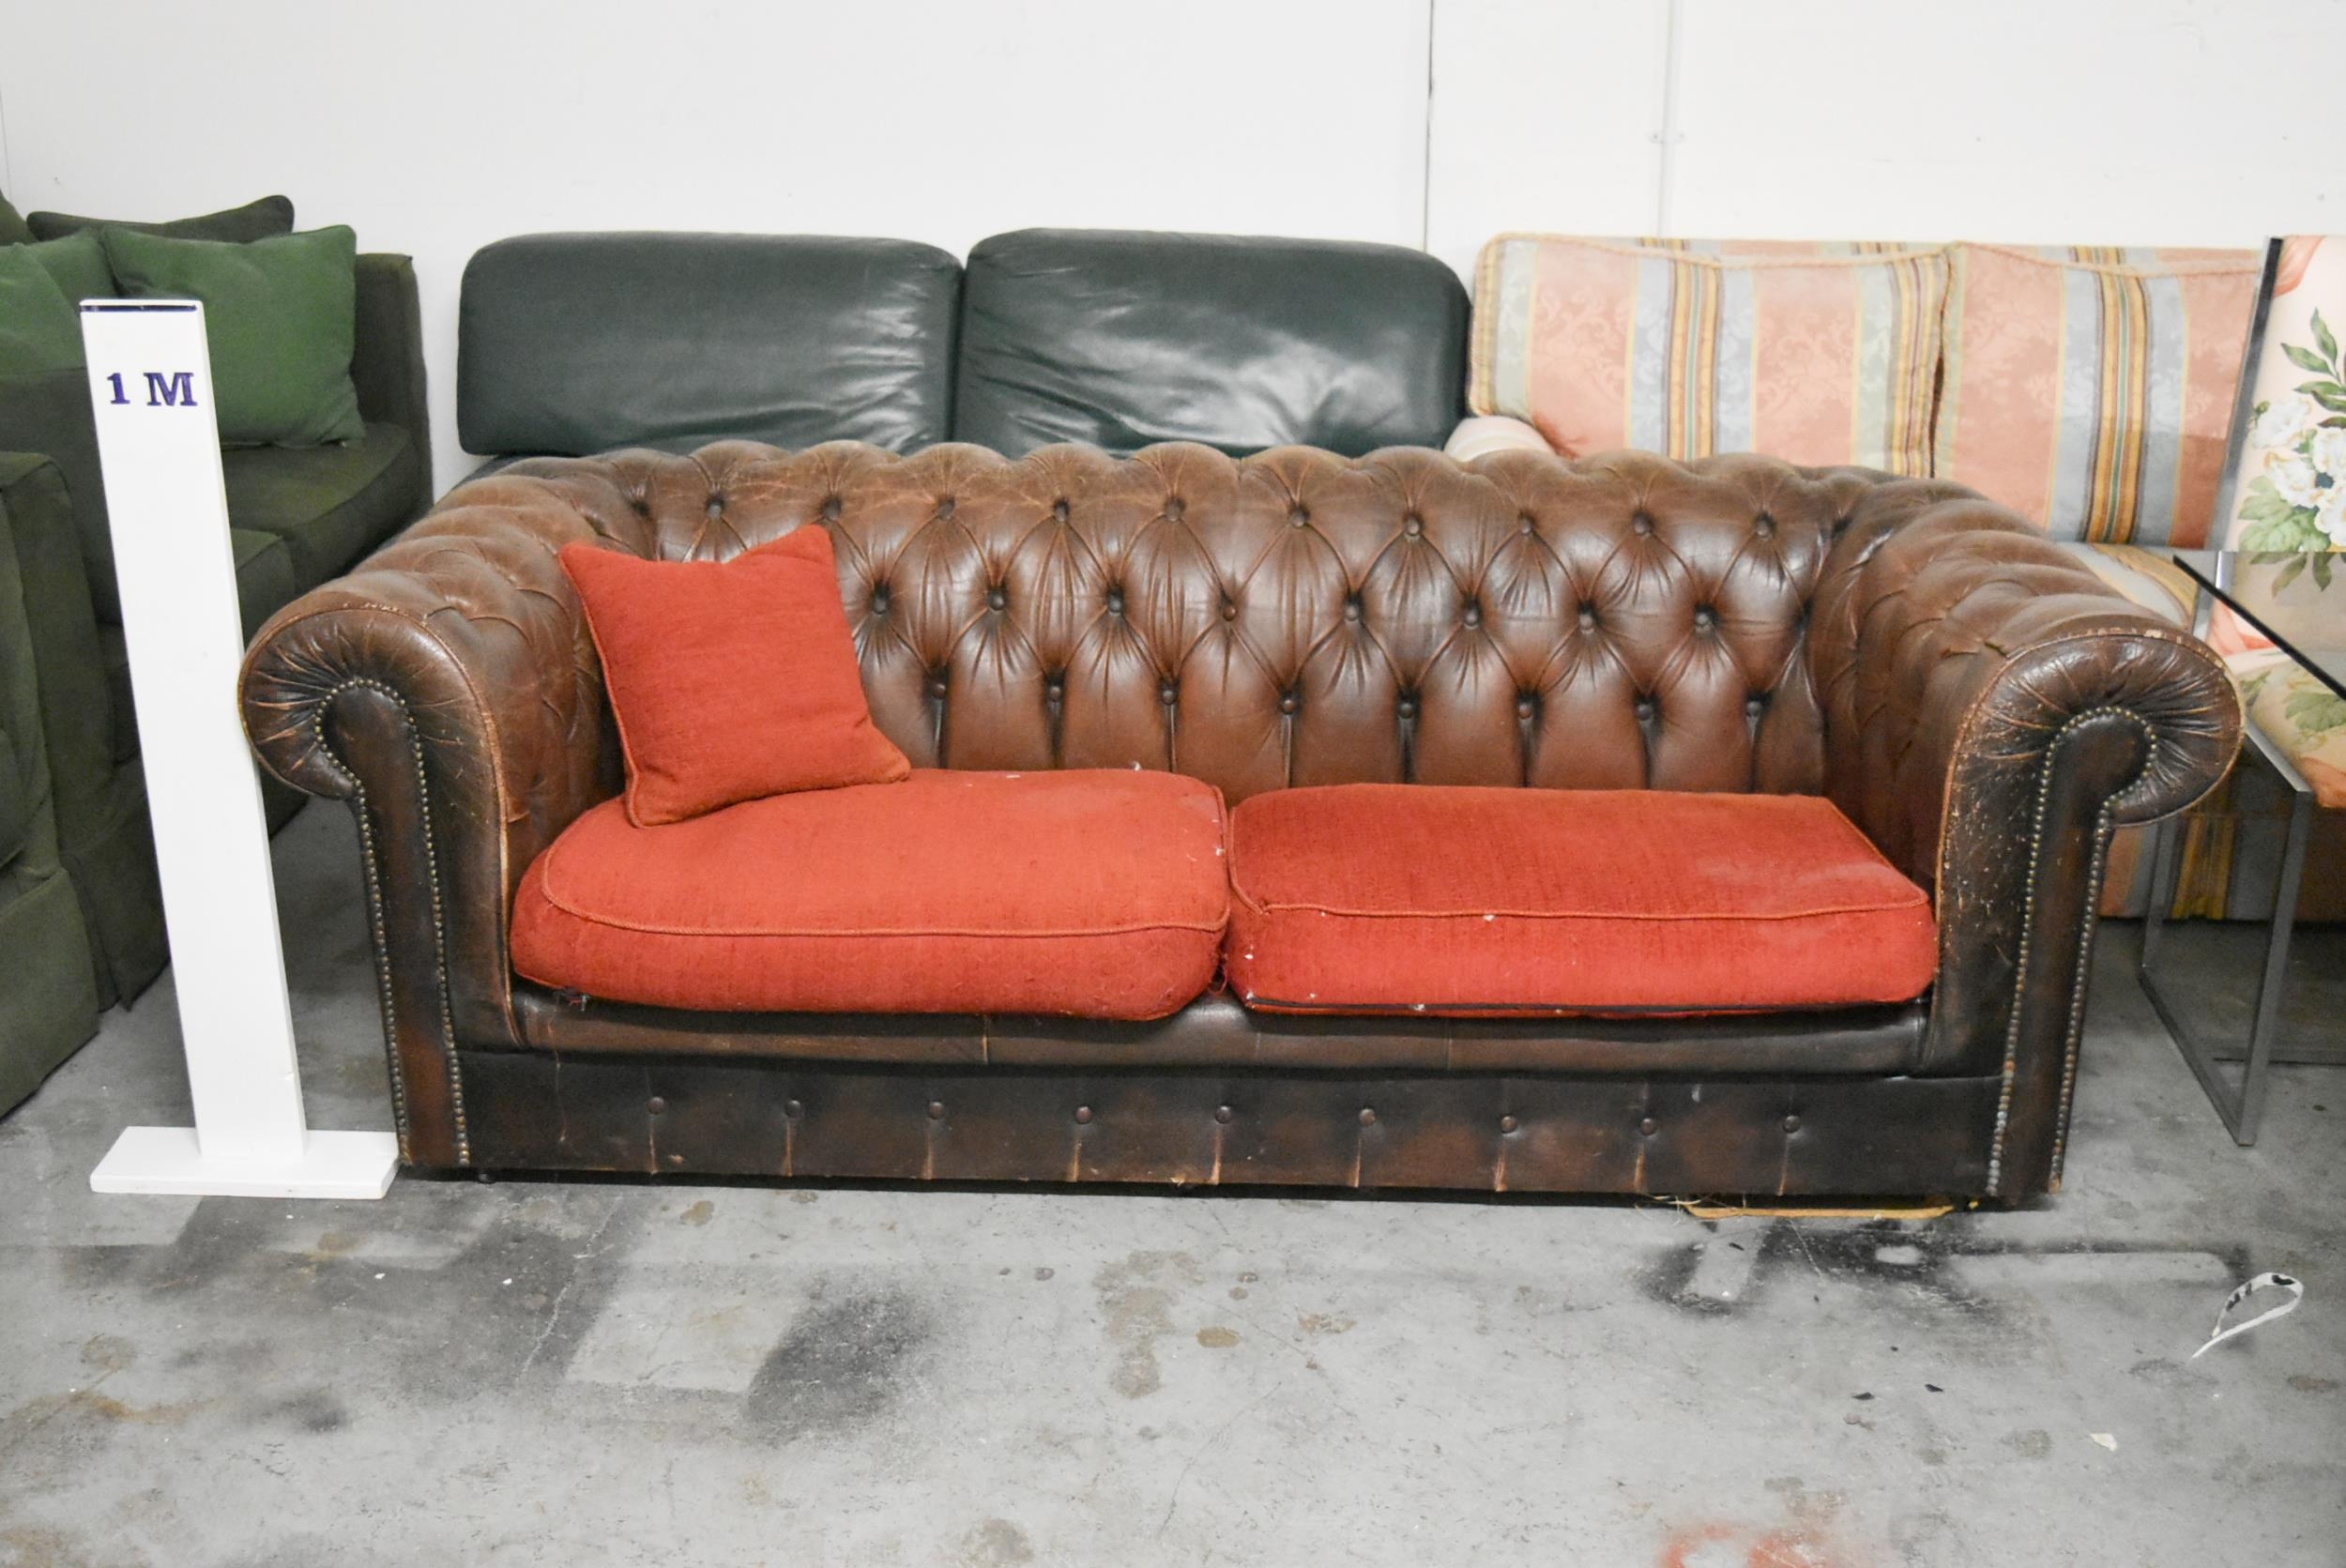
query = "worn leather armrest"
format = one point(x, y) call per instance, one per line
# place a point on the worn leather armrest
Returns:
point(1993, 710)
point(448, 690)
point(386, 362)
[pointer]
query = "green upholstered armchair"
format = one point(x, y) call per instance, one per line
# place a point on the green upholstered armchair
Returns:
point(297, 518)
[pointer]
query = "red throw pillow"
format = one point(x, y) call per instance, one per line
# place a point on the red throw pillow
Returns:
point(730, 680)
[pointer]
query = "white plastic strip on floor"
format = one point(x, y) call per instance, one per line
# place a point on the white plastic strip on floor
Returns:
point(2293, 1287)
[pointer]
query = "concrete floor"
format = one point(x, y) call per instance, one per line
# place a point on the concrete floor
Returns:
point(603, 1373)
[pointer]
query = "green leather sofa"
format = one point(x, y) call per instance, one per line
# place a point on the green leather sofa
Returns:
point(297, 518)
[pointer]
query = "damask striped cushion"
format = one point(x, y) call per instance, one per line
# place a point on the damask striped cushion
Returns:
point(2091, 388)
point(1820, 354)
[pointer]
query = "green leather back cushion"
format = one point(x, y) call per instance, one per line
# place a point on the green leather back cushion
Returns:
point(577, 343)
point(1123, 338)
point(13, 229)
point(282, 317)
point(270, 215)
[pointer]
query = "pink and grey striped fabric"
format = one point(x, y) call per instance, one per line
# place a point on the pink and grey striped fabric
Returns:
point(2091, 388)
point(1817, 353)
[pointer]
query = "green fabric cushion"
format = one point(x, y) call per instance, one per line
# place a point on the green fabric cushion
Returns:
point(44, 403)
point(40, 331)
point(126, 719)
point(267, 581)
point(330, 505)
point(78, 263)
point(270, 215)
point(16, 800)
point(13, 229)
point(281, 315)
point(48, 994)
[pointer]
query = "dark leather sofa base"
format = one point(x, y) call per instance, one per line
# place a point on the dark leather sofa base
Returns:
point(1494, 1133)
point(1215, 1031)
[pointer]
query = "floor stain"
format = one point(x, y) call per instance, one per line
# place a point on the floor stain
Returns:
point(1136, 1303)
point(2305, 1383)
point(1324, 1323)
point(995, 1544)
point(1216, 1337)
point(700, 1212)
point(848, 1359)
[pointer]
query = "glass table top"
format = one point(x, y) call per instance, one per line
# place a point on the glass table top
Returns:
point(2299, 600)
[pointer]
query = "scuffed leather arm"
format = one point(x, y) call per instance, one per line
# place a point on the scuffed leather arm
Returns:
point(1992, 711)
point(448, 690)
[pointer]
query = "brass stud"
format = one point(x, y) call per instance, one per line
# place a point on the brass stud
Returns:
point(792, 1108)
point(936, 1110)
point(655, 1105)
point(1083, 1113)
point(1792, 1124)
point(1222, 1113)
point(1368, 1118)
point(1507, 1124)
point(1649, 1126)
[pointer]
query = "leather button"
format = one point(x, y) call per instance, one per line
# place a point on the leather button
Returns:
point(1168, 694)
point(1351, 609)
point(1059, 510)
point(1222, 1113)
point(1055, 688)
point(1792, 1124)
point(1649, 1127)
point(1298, 516)
point(655, 1105)
point(936, 1110)
point(1507, 1124)
point(1645, 712)
point(1083, 1113)
point(831, 508)
point(998, 598)
point(1368, 1118)
point(1289, 702)
point(1229, 611)
point(1754, 707)
point(880, 599)
point(1471, 614)
point(944, 508)
point(717, 505)
point(1526, 706)
point(937, 686)
point(1764, 526)
point(1526, 525)
point(1413, 526)
point(1642, 524)
point(1704, 619)
point(1173, 508)
point(1588, 619)
point(1407, 708)
point(1116, 602)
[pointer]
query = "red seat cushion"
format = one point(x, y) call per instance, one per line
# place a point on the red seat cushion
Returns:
point(1092, 893)
point(1411, 898)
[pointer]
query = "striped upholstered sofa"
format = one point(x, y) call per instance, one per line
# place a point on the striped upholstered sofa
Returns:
point(2088, 389)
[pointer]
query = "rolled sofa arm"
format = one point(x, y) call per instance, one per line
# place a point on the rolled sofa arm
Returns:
point(1993, 710)
point(448, 689)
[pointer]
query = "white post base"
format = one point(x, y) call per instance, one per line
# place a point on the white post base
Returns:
point(167, 1160)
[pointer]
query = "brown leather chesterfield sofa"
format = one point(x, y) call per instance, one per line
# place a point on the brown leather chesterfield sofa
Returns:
point(1979, 705)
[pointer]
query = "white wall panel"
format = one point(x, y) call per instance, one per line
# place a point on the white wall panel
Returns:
point(434, 127)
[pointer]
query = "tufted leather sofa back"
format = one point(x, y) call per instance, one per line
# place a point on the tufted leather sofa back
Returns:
point(1293, 617)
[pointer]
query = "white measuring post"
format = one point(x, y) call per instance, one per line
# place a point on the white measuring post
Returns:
point(159, 448)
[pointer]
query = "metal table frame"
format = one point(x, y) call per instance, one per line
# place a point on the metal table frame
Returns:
point(2242, 1107)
